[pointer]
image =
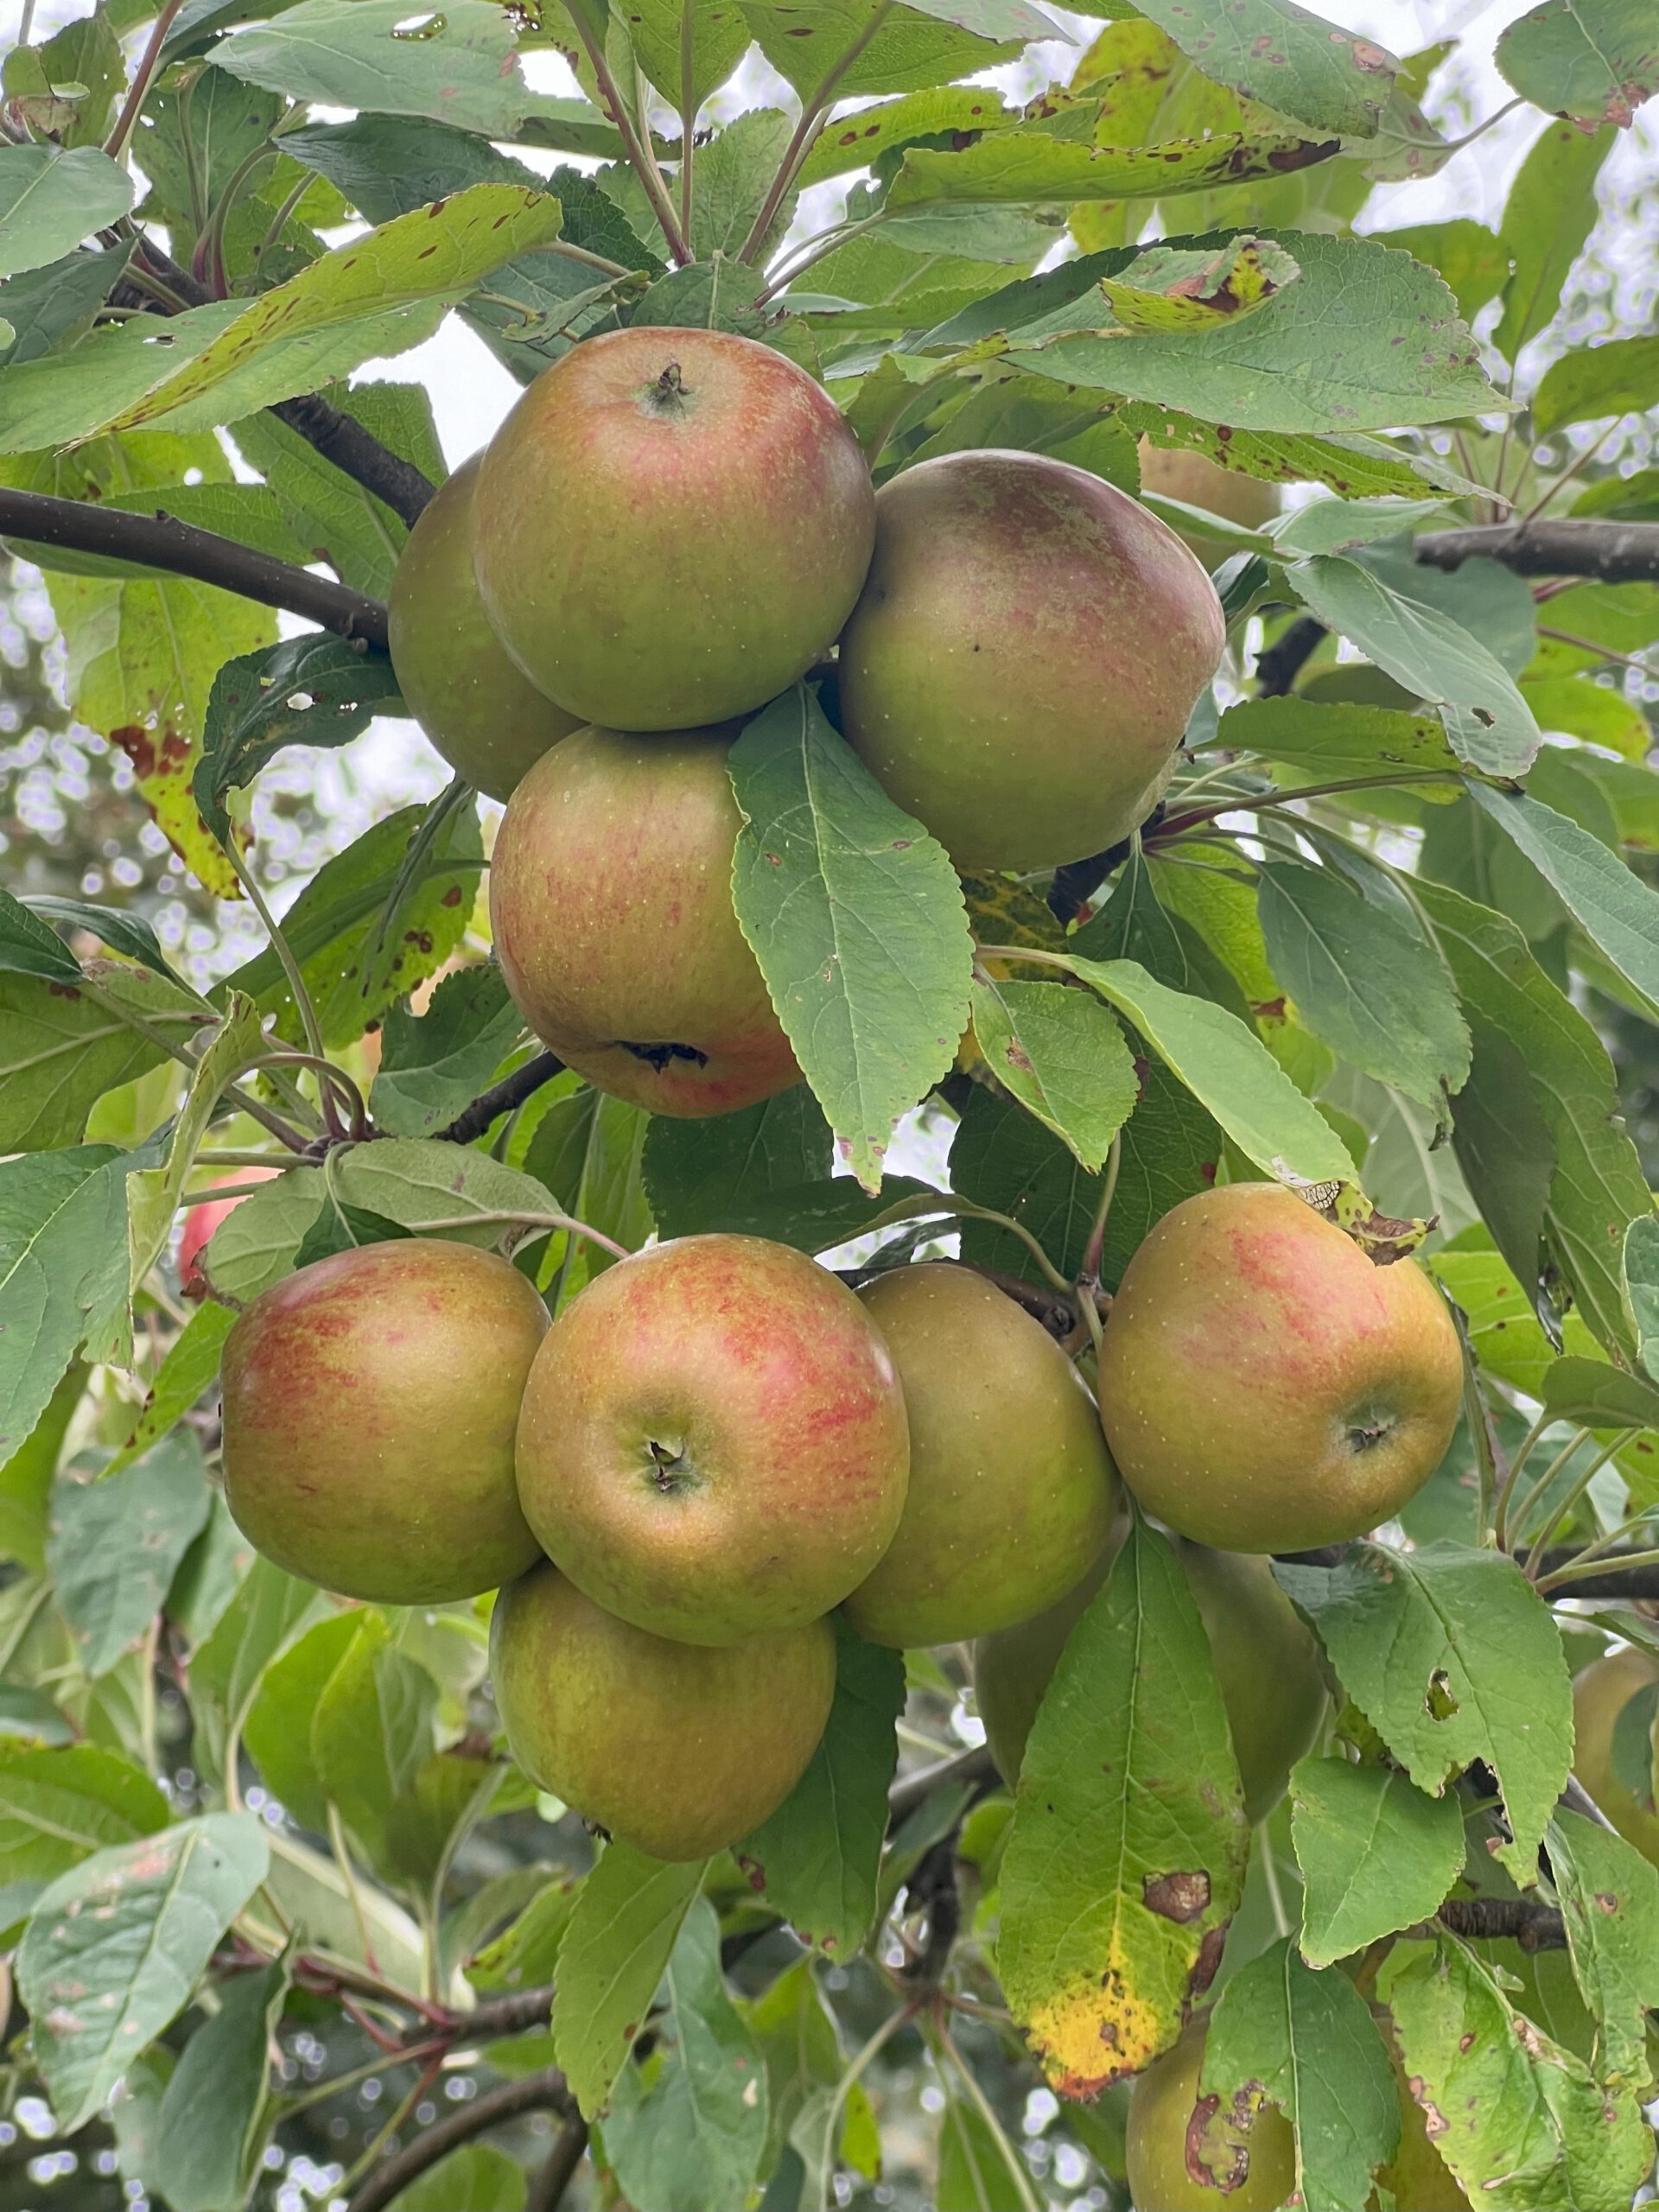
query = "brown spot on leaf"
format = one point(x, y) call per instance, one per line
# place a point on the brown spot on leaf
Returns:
point(1180, 1896)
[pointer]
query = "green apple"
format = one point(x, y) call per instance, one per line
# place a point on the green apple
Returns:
point(1601, 1693)
point(1189, 2154)
point(676, 1750)
point(1011, 1486)
point(671, 526)
point(479, 710)
point(611, 906)
point(1267, 1662)
point(713, 1440)
point(1022, 662)
point(371, 1404)
point(1267, 1386)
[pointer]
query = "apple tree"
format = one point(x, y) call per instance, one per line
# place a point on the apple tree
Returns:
point(1304, 1870)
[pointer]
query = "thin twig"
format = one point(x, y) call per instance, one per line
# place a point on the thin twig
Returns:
point(546, 2191)
point(504, 1097)
point(546, 2090)
point(142, 77)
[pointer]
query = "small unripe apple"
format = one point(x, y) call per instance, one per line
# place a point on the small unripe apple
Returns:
point(610, 906)
point(200, 1222)
point(1601, 1693)
point(478, 707)
point(713, 1440)
point(1023, 660)
point(1198, 481)
point(1187, 2154)
point(1012, 1491)
point(1268, 1387)
point(1267, 1663)
point(370, 1401)
point(677, 1750)
point(671, 526)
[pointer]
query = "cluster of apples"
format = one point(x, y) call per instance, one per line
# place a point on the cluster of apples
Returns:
point(669, 529)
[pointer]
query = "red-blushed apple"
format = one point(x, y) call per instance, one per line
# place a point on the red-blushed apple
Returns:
point(371, 1402)
point(201, 1221)
point(713, 1441)
point(610, 907)
point(676, 1749)
point(1267, 1662)
point(1191, 2154)
point(671, 526)
point(1012, 1491)
point(1023, 659)
point(1265, 1386)
point(477, 706)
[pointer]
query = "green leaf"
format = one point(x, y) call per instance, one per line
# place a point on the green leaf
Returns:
point(1520, 2121)
point(688, 47)
point(1331, 743)
point(818, 1858)
point(117, 1945)
point(416, 1182)
point(269, 1611)
point(55, 306)
point(852, 45)
point(627, 1917)
point(974, 2172)
point(114, 1545)
point(524, 1955)
point(1590, 1392)
point(1308, 2041)
point(852, 141)
point(1280, 54)
point(370, 1731)
point(153, 1193)
point(460, 71)
point(212, 2114)
point(62, 1271)
point(25, 1476)
point(1126, 1857)
point(1228, 1071)
point(1595, 1182)
point(1452, 1656)
point(1027, 168)
point(475, 2178)
point(1465, 253)
point(189, 1369)
point(588, 1152)
point(709, 1174)
point(254, 1246)
point(1319, 357)
point(691, 2135)
point(1610, 1901)
point(1061, 1054)
point(1595, 60)
point(434, 1065)
point(1620, 377)
point(30, 946)
point(1364, 978)
point(1488, 721)
point(51, 198)
point(1550, 213)
point(855, 915)
point(277, 1731)
point(1376, 1853)
point(1618, 912)
point(1642, 1288)
point(51, 401)
point(63, 1046)
point(57, 1806)
point(314, 689)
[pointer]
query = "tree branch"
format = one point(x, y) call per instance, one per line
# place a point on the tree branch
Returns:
point(1533, 1926)
point(546, 2191)
point(974, 1765)
point(160, 541)
point(1278, 665)
point(544, 2091)
point(501, 1098)
point(1606, 1578)
point(1608, 552)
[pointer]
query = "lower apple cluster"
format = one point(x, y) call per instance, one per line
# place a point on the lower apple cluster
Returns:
point(719, 1444)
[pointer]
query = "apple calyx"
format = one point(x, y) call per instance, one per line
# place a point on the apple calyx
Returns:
point(670, 1468)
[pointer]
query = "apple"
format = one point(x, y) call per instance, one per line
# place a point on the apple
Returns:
point(1012, 1491)
point(370, 1401)
point(610, 907)
point(1198, 481)
point(1267, 1664)
point(1601, 1693)
point(201, 1221)
point(678, 1751)
point(476, 707)
point(1022, 662)
point(1187, 2154)
point(671, 526)
point(1268, 1387)
point(713, 1441)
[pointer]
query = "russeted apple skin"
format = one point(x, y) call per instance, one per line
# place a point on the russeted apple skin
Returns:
point(371, 1402)
point(1265, 1386)
point(1023, 659)
point(1182, 2160)
point(1601, 1693)
point(676, 1750)
point(713, 1442)
point(1267, 1662)
point(671, 525)
point(610, 906)
point(1198, 481)
point(1012, 1489)
point(478, 707)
